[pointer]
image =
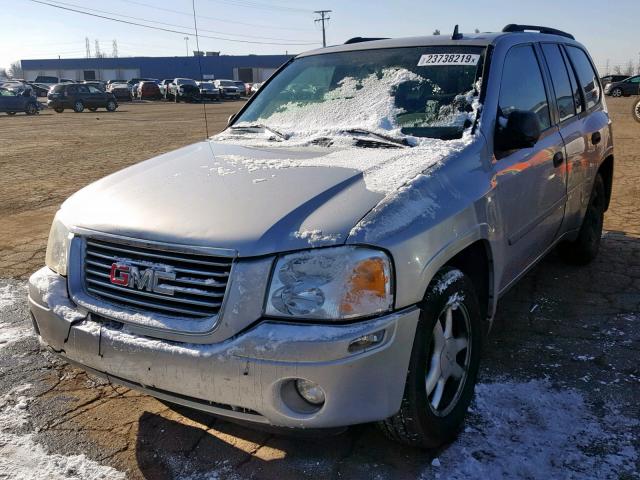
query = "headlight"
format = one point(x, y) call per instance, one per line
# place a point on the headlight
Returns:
point(331, 284)
point(58, 246)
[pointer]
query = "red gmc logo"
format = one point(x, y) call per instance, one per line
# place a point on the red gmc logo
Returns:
point(119, 274)
point(147, 279)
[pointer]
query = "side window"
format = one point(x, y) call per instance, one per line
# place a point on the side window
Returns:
point(560, 79)
point(72, 90)
point(575, 88)
point(93, 89)
point(587, 77)
point(522, 87)
point(634, 80)
point(82, 89)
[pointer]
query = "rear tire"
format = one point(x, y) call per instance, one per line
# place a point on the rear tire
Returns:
point(585, 248)
point(58, 109)
point(111, 106)
point(78, 107)
point(616, 92)
point(31, 109)
point(444, 364)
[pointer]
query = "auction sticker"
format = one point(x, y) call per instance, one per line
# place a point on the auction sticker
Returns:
point(447, 59)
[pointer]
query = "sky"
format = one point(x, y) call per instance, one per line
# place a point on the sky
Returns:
point(35, 30)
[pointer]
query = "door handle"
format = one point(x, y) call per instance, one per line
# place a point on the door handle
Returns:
point(595, 138)
point(558, 158)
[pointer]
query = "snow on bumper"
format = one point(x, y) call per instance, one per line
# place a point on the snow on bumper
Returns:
point(249, 376)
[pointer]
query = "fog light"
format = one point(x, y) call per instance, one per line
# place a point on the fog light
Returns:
point(310, 391)
point(366, 341)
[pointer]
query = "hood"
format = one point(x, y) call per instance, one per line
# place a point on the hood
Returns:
point(255, 200)
point(193, 196)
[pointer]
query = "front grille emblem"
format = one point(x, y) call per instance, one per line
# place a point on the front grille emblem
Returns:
point(147, 279)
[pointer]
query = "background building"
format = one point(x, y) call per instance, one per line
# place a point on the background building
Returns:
point(247, 68)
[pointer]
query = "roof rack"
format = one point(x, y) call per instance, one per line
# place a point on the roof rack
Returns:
point(364, 39)
point(513, 27)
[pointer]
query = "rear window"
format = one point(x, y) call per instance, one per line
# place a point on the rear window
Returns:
point(587, 76)
point(45, 79)
point(560, 80)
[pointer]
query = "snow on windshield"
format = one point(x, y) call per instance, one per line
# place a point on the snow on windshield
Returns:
point(369, 103)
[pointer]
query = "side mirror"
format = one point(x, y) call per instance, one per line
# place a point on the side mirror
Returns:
point(520, 130)
point(230, 119)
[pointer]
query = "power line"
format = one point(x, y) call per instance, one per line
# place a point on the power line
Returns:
point(160, 28)
point(217, 19)
point(323, 19)
point(169, 24)
point(195, 27)
point(263, 6)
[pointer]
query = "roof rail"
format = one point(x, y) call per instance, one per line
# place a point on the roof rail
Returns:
point(364, 39)
point(513, 27)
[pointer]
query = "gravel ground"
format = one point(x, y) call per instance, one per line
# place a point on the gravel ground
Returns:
point(559, 385)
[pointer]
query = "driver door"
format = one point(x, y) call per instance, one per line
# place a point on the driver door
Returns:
point(531, 182)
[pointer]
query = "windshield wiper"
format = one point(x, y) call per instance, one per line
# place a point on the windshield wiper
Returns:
point(386, 138)
point(264, 127)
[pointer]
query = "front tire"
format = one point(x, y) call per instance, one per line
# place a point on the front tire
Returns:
point(58, 109)
point(444, 364)
point(31, 109)
point(585, 248)
point(78, 107)
point(111, 106)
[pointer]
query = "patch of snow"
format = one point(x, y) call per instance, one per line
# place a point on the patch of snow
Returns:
point(447, 279)
point(10, 294)
point(22, 458)
point(53, 289)
point(13, 333)
point(317, 236)
point(531, 430)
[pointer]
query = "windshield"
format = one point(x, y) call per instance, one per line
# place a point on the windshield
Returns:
point(186, 81)
point(413, 91)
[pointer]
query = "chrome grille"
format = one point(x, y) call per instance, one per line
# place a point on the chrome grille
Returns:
point(199, 285)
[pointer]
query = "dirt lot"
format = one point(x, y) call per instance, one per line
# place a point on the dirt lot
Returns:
point(560, 380)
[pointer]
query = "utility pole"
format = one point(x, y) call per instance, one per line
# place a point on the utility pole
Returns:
point(114, 53)
point(97, 48)
point(323, 18)
point(186, 40)
point(606, 71)
point(87, 46)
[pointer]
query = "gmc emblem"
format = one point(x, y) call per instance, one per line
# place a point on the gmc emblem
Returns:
point(141, 279)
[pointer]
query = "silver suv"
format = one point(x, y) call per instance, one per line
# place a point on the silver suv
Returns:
point(335, 256)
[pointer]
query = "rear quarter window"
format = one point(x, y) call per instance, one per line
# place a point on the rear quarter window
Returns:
point(587, 76)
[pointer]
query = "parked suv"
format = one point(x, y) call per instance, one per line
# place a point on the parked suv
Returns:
point(336, 255)
point(228, 89)
point(183, 90)
point(624, 88)
point(12, 102)
point(78, 96)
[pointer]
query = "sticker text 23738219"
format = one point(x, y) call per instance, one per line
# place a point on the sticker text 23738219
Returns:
point(444, 59)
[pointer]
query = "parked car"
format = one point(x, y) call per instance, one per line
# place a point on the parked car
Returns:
point(78, 96)
point(120, 91)
point(228, 89)
point(208, 91)
point(109, 82)
point(417, 181)
point(12, 102)
point(255, 87)
point(148, 90)
point(163, 86)
point(51, 80)
point(40, 89)
point(612, 78)
point(242, 87)
point(624, 88)
point(184, 90)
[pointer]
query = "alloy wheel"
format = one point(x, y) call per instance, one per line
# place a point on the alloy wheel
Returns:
point(449, 358)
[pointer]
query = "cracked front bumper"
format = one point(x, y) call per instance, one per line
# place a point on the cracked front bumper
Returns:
point(249, 376)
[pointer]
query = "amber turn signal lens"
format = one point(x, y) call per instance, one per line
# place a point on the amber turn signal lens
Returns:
point(369, 282)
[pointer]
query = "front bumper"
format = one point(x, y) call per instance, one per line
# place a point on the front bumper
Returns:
point(249, 376)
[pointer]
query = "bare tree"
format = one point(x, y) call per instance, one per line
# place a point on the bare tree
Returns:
point(629, 68)
point(477, 30)
point(617, 70)
point(15, 70)
point(3, 73)
point(436, 32)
